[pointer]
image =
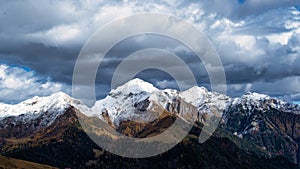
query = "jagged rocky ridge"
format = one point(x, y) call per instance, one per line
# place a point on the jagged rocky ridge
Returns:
point(271, 124)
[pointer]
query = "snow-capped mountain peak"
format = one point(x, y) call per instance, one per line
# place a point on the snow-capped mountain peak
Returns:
point(61, 96)
point(254, 96)
point(135, 86)
point(250, 99)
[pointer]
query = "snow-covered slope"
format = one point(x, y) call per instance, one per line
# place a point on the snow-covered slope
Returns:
point(43, 109)
point(57, 103)
point(120, 102)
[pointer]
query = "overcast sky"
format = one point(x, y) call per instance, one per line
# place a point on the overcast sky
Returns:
point(258, 42)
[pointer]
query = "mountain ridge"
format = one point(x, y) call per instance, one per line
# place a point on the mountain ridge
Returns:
point(137, 106)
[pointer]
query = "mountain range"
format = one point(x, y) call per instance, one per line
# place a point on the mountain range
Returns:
point(255, 130)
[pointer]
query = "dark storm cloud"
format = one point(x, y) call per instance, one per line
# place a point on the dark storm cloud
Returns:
point(19, 18)
point(278, 61)
point(47, 38)
point(55, 62)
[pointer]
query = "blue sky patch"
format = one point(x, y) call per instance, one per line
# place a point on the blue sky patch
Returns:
point(241, 1)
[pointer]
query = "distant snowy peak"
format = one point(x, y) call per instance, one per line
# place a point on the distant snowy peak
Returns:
point(249, 98)
point(251, 104)
point(254, 96)
point(259, 101)
point(55, 103)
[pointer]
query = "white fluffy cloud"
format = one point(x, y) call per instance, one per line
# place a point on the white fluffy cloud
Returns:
point(19, 84)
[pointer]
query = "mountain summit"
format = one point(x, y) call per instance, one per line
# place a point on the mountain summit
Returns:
point(135, 86)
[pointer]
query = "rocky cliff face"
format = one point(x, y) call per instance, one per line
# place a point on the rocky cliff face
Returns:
point(271, 124)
